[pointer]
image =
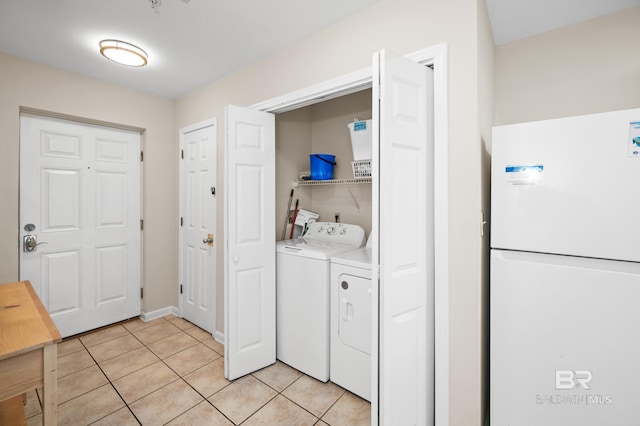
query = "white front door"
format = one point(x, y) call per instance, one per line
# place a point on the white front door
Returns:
point(405, 249)
point(197, 224)
point(250, 258)
point(80, 200)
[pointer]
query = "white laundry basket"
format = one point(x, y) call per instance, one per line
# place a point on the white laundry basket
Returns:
point(360, 139)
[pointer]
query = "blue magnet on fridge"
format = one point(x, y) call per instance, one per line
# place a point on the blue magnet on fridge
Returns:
point(528, 168)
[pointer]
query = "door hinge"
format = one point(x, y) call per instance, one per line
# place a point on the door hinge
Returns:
point(141, 156)
point(180, 288)
point(141, 293)
point(141, 224)
point(182, 154)
point(181, 221)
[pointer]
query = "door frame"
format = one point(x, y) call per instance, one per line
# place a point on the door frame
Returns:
point(182, 132)
point(437, 57)
point(23, 110)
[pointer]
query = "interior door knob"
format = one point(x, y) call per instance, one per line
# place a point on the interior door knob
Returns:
point(209, 240)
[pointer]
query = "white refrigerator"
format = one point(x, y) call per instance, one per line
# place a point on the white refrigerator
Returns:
point(565, 272)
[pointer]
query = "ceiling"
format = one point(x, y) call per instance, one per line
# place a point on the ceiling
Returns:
point(193, 42)
point(513, 20)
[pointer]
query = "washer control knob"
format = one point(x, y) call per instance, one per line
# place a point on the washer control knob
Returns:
point(343, 231)
point(320, 229)
point(331, 230)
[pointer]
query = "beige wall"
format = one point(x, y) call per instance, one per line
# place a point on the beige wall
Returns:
point(403, 26)
point(293, 144)
point(28, 84)
point(581, 69)
point(330, 135)
point(321, 128)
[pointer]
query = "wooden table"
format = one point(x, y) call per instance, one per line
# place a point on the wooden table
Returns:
point(28, 347)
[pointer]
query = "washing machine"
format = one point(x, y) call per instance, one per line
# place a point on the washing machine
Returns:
point(303, 292)
point(351, 321)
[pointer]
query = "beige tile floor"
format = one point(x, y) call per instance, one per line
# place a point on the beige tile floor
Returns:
point(168, 371)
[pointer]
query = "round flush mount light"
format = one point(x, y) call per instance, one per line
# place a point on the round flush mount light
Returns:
point(123, 53)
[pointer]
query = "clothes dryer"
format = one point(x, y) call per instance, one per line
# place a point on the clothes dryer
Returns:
point(351, 321)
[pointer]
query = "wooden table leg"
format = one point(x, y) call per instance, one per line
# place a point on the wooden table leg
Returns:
point(50, 386)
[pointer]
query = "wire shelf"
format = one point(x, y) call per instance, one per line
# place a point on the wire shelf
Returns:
point(354, 181)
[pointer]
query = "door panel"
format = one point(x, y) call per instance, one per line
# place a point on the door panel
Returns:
point(250, 332)
point(111, 266)
point(61, 199)
point(198, 212)
point(61, 281)
point(250, 285)
point(405, 246)
point(80, 189)
point(111, 198)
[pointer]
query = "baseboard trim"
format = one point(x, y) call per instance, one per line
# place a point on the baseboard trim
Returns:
point(173, 310)
point(169, 310)
point(218, 336)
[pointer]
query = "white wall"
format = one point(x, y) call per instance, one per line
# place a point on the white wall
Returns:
point(581, 69)
point(28, 84)
point(403, 26)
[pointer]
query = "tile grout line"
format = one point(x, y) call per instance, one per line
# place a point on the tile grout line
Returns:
point(180, 376)
point(109, 380)
point(318, 419)
point(287, 387)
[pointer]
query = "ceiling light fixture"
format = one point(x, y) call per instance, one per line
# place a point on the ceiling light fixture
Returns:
point(123, 53)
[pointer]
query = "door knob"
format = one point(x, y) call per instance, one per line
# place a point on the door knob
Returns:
point(209, 240)
point(30, 243)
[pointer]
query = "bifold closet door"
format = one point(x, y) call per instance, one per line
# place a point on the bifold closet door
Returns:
point(250, 255)
point(405, 249)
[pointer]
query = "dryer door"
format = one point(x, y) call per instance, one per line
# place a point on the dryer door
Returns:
point(354, 325)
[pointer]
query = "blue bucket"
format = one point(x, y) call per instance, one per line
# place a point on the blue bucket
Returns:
point(322, 166)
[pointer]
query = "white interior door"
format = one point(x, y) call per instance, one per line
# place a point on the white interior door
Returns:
point(197, 224)
point(250, 258)
point(405, 253)
point(80, 197)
